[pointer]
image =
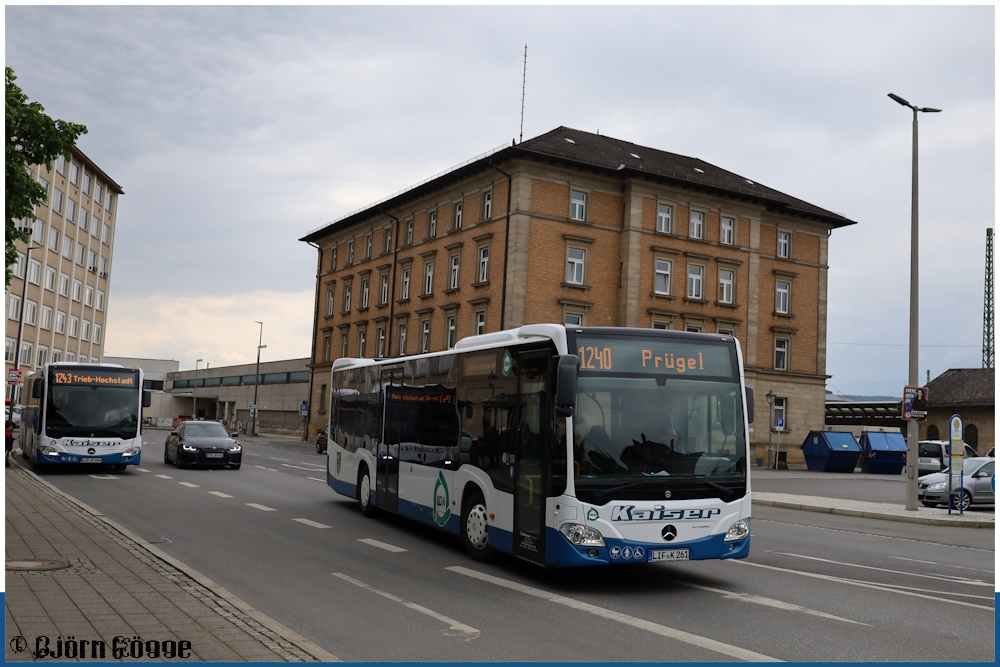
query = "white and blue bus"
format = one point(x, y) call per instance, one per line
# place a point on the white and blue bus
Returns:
point(77, 413)
point(563, 446)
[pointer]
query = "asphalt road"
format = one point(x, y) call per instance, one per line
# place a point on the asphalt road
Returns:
point(816, 587)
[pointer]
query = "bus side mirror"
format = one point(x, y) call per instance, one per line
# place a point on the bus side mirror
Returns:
point(147, 398)
point(36, 390)
point(566, 385)
point(749, 405)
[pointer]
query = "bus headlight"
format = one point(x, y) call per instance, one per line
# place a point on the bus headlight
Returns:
point(738, 530)
point(49, 451)
point(134, 451)
point(582, 536)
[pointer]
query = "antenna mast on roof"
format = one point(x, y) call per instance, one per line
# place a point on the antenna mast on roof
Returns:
point(524, 76)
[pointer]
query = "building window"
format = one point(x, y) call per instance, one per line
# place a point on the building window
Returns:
point(34, 272)
point(387, 236)
point(782, 297)
point(30, 312)
point(484, 264)
point(8, 353)
point(70, 210)
point(53, 239)
point(63, 284)
point(85, 331)
point(694, 328)
point(74, 326)
point(97, 334)
point(451, 332)
point(453, 275)
point(57, 200)
point(368, 247)
point(347, 297)
point(37, 232)
point(45, 185)
point(695, 277)
point(86, 183)
point(50, 279)
point(81, 253)
point(665, 218)
point(333, 258)
point(61, 164)
point(88, 296)
point(105, 235)
point(487, 205)
point(84, 220)
point(402, 338)
point(727, 231)
point(428, 278)
point(329, 302)
point(457, 223)
point(326, 347)
point(660, 323)
point(98, 193)
point(784, 245)
point(697, 228)
point(350, 252)
point(480, 322)
point(71, 357)
point(74, 173)
point(780, 408)
point(404, 288)
point(576, 259)
point(92, 261)
point(362, 335)
point(425, 336)
point(380, 342)
point(13, 307)
point(432, 224)
point(77, 290)
point(100, 300)
point(343, 345)
point(26, 349)
point(60, 322)
point(409, 232)
point(781, 354)
point(364, 294)
point(573, 319)
point(661, 280)
point(57, 356)
point(67, 248)
point(578, 206)
point(726, 281)
point(18, 269)
point(383, 290)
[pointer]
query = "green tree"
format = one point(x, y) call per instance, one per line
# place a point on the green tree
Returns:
point(32, 138)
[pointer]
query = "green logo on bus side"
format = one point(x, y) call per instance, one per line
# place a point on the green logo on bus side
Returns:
point(442, 500)
point(508, 363)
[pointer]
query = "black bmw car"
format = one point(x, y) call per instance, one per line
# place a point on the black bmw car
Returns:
point(201, 443)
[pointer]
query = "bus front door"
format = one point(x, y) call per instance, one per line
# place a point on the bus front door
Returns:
point(530, 466)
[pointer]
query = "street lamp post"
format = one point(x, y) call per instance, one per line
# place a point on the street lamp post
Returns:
point(194, 410)
point(770, 422)
point(256, 378)
point(911, 426)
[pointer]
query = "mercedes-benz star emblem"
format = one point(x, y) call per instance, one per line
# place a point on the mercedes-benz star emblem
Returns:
point(91, 450)
point(669, 533)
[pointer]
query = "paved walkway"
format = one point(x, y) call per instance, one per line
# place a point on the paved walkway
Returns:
point(72, 573)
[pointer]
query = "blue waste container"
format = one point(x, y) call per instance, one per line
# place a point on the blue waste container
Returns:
point(882, 453)
point(831, 451)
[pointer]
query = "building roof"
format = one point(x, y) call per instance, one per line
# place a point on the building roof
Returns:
point(613, 157)
point(966, 387)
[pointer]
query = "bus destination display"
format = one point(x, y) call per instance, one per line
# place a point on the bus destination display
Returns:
point(93, 378)
point(681, 357)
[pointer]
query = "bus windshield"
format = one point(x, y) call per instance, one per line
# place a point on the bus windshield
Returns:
point(643, 428)
point(101, 404)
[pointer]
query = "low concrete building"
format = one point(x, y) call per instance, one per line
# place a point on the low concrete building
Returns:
point(969, 393)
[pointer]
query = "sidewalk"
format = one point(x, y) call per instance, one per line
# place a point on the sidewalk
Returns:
point(932, 516)
point(75, 579)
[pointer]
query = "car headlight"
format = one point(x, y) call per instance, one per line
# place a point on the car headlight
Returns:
point(189, 448)
point(738, 530)
point(235, 448)
point(937, 486)
point(582, 536)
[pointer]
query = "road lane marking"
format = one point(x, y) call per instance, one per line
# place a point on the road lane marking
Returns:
point(770, 602)
point(143, 470)
point(164, 476)
point(947, 578)
point(314, 524)
point(864, 584)
point(262, 508)
point(455, 628)
point(275, 458)
point(220, 494)
point(289, 465)
point(317, 479)
point(265, 468)
point(930, 562)
point(104, 476)
point(188, 484)
point(382, 545)
point(655, 628)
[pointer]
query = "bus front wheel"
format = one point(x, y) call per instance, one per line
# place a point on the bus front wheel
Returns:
point(365, 493)
point(475, 528)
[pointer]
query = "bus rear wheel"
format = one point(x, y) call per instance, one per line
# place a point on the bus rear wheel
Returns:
point(365, 493)
point(475, 528)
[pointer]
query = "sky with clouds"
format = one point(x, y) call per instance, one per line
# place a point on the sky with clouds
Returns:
point(236, 130)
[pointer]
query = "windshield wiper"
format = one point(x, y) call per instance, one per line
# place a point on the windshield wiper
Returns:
point(701, 478)
point(655, 482)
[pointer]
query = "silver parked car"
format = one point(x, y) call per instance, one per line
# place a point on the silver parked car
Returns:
point(935, 455)
point(973, 487)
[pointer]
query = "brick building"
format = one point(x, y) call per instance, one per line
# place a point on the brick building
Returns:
point(580, 228)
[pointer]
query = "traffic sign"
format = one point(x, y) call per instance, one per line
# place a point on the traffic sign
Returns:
point(14, 376)
point(257, 407)
point(779, 424)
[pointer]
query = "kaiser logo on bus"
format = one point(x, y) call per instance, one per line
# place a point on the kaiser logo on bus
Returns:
point(660, 513)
